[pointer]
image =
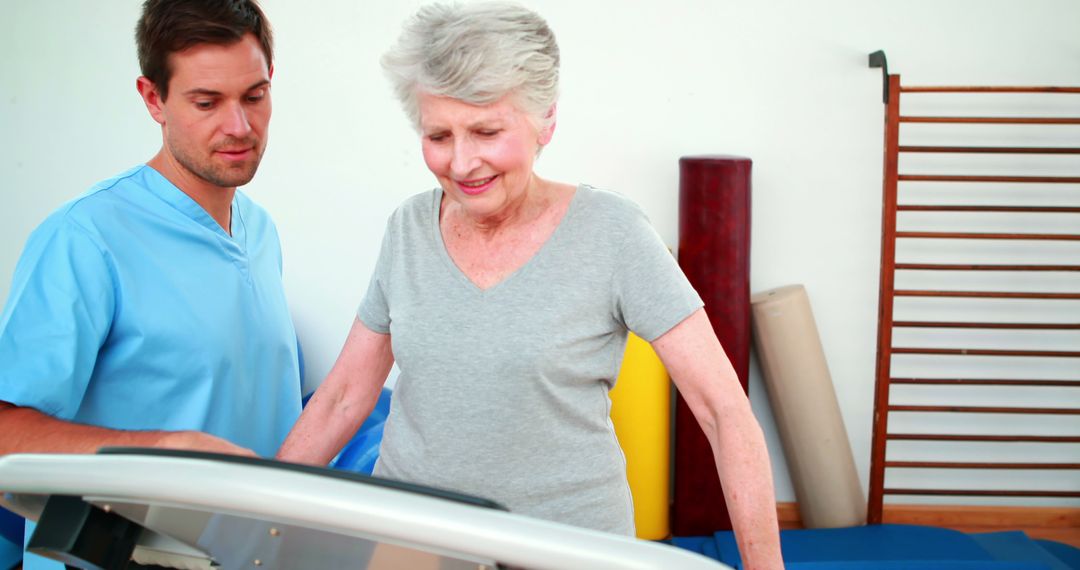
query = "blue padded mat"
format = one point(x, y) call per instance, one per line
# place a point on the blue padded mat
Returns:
point(1017, 546)
point(873, 542)
point(1069, 555)
point(11, 526)
point(915, 565)
point(10, 552)
point(888, 547)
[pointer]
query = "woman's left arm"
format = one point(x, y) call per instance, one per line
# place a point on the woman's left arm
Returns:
point(708, 383)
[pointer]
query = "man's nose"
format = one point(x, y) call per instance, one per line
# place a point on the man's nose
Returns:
point(235, 122)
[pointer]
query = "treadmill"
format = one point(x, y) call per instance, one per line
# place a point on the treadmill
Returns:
point(133, 508)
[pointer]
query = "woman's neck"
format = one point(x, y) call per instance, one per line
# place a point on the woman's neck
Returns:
point(525, 209)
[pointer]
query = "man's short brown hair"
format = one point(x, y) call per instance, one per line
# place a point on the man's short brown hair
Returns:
point(170, 26)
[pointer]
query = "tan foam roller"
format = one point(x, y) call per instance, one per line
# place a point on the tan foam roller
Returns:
point(804, 404)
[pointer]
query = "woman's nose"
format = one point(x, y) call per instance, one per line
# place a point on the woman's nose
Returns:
point(465, 159)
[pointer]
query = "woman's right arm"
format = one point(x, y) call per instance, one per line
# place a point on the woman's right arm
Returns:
point(343, 401)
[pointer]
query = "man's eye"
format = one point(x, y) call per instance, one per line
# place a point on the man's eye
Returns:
point(488, 132)
point(204, 105)
point(437, 137)
point(256, 97)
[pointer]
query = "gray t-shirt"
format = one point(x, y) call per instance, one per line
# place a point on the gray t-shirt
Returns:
point(503, 392)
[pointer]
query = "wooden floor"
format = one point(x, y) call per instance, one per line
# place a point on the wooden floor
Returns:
point(1050, 523)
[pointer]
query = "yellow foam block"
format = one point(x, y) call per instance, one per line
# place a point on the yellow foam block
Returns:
point(640, 411)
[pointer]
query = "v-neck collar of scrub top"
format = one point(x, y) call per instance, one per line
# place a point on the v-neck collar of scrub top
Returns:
point(175, 197)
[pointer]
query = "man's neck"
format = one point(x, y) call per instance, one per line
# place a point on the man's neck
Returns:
point(217, 201)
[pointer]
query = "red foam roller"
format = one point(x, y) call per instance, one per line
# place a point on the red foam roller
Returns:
point(714, 252)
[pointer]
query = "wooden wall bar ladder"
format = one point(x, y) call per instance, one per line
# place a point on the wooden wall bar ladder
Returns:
point(895, 202)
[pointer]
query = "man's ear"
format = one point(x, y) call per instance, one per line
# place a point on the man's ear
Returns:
point(549, 129)
point(152, 98)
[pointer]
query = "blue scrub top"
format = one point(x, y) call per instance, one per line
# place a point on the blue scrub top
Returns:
point(131, 308)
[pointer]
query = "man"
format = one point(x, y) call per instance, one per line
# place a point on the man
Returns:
point(150, 311)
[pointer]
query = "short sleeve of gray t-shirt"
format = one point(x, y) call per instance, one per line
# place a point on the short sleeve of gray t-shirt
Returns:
point(503, 392)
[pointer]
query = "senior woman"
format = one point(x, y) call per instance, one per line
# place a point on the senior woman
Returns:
point(506, 299)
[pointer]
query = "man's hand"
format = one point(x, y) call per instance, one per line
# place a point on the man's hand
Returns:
point(199, 441)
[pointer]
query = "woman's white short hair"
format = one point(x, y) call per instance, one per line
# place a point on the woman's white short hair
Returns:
point(477, 53)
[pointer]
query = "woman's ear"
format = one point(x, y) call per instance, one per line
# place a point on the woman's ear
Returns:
point(548, 129)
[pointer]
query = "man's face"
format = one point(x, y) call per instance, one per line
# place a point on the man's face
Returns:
point(216, 117)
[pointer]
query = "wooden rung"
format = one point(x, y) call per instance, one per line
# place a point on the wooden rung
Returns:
point(983, 438)
point(981, 492)
point(996, 517)
point(984, 382)
point(979, 178)
point(978, 235)
point(1010, 209)
point(986, 89)
point(983, 267)
point(977, 465)
point(987, 410)
point(984, 294)
point(990, 149)
point(1009, 326)
point(993, 120)
point(987, 352)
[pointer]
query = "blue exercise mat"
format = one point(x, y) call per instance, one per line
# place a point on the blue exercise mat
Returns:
point(915, 565)
point(888, 547)
point(11, 539)
point(10, 554)
point(1015, 545)
point(11, 526)
point(1070, 555)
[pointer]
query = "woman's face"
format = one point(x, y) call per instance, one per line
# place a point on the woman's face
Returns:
point(482, 155)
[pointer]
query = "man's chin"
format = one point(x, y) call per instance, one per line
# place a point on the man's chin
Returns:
point(231, 177)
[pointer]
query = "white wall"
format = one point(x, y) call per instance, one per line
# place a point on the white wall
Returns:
point(783, 82)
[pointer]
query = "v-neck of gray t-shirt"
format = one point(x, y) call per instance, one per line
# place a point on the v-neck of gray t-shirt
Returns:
point(503, 391)
point(537, 257)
